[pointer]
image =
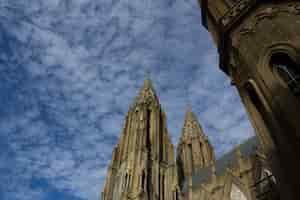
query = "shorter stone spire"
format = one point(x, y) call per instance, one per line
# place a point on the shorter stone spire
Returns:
point(194, 150)
point(191, 127)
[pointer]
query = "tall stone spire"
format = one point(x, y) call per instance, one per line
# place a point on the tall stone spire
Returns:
point(194, 150)
point(143, 163)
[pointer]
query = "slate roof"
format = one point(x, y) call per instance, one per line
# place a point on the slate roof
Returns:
point(228, 160)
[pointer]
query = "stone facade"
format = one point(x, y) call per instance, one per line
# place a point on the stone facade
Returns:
point(259, 44)
point(143, 165)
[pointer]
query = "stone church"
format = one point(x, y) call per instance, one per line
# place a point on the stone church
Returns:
point(144, 166)
point(259, 49)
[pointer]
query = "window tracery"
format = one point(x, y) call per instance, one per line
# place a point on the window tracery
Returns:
point(287, 70)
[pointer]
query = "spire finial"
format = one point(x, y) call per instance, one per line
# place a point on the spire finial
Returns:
point(189, 107)
point(147, 73)
point(147, 92)
point(189, 112)
point(147, 81)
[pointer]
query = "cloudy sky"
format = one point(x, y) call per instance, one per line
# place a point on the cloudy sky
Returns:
point(69, 69)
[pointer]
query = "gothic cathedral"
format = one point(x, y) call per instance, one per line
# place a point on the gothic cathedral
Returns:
point(144, 167)
point(259, 49)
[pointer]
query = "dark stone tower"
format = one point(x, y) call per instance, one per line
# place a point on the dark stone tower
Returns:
point(259, 46)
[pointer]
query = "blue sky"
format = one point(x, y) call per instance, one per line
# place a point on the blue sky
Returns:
point(69, 70)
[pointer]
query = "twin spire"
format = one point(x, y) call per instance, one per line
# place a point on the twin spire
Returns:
point(143, 163)
point(191, 128)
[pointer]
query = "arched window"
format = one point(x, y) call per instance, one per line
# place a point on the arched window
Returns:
point(236, 193)
point(202, 153)
point(129, 181)
point(148, 129)
point(175, 196)
point(190, 155)
point(125, 181)
point(163, 187)
point(143, 180)
point(288, 71)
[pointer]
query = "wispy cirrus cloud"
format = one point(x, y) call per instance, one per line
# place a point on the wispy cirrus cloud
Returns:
point(69, 71)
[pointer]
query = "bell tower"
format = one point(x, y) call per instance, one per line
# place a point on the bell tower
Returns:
point(259, 49)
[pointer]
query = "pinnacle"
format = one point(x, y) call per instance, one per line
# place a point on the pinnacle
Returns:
point(191, 124)
point(190, 116)
point(147, 93)
point(147, 84)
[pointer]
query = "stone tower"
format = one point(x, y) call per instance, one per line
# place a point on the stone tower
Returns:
point(259, 44)
point(143, 166)
point(194, 150)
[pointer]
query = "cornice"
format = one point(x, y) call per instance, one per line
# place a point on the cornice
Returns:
point(266, 13)
point(232, 18)
point(227, 23)
point(235, 13)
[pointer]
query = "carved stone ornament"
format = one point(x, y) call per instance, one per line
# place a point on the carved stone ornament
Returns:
point(236, 11)
point(266, 13)
point(146, 96)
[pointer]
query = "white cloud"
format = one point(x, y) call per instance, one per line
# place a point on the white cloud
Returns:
point(75, 68)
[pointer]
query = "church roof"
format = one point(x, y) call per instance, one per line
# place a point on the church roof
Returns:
point(229, 160)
